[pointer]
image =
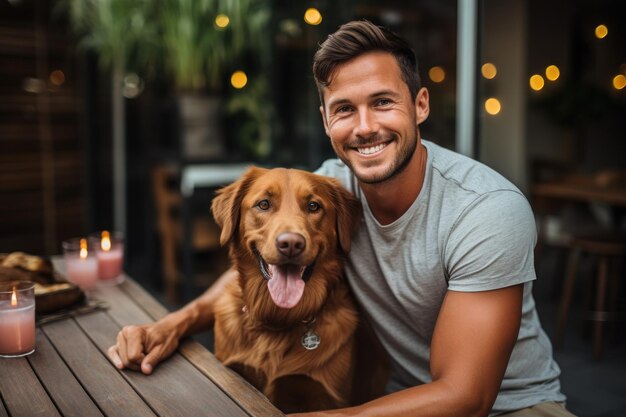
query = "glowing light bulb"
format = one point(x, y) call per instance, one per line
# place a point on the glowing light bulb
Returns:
point(492, 106)
point(57, 77)
point(619, 82)
point(239, 79)
point(601, 31)
point(536, 82)
point(552, 72)
point(489, 70)
point(437, 74)
point(222, 21)
point(312, 16)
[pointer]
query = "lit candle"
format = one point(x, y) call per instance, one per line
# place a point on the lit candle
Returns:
point(17, 318)
point(110, 255)
point(82, 266)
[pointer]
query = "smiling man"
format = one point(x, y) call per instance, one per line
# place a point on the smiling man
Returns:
point(443, 262)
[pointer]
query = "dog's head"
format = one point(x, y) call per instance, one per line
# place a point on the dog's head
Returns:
point(287, 230)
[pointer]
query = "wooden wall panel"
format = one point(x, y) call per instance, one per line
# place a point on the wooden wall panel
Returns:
point(42, 172)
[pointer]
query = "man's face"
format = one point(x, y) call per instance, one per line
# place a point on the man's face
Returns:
point(370, 117)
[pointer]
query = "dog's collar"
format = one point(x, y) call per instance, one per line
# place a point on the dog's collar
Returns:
point(310, 340)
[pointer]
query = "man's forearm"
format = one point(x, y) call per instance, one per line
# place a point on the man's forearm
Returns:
point(436, 399)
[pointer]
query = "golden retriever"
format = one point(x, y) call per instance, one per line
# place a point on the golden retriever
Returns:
point(289, 324)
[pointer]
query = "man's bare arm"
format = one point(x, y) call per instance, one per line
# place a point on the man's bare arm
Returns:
point(472, 342)
point(142, 347)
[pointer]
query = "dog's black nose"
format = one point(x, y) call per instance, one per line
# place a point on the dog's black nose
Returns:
point(290, 244)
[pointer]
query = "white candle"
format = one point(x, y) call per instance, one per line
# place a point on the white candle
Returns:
point(17, 324)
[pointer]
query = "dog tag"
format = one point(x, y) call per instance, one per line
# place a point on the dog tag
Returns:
point(310, 340)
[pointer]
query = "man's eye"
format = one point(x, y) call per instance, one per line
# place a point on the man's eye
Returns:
point(312, 206)
point(263, 205)
point(343, 109)
point(384, 102)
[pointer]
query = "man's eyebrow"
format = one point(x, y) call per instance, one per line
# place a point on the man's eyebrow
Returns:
point(339, 101)
point(387, 93)
point(377, 94)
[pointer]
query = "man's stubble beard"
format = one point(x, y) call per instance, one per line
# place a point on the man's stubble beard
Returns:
point(399, 164)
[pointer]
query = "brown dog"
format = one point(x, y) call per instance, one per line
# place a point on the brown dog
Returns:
point(289, 325)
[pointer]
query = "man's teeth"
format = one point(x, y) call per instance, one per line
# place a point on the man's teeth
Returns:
point(371, 149)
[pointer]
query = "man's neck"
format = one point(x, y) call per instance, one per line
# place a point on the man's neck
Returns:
point(389, 200)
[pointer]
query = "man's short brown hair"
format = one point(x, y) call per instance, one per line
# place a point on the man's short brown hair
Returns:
point(356, 38)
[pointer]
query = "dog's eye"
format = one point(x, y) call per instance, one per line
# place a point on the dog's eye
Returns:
point(313, 206)
point(263, 205)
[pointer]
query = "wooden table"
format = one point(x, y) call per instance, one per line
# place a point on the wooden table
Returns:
point(70, 375)
point(581, 189)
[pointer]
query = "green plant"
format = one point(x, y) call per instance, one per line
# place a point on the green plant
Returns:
point(196, 51)
point(179, 38)
point(121, 32)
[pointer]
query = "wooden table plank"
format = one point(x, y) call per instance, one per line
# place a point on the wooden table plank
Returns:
point(21, 402)
point(592, 193)
point(131, 304)
point(175, 388)
point(111, 392)
point(142, 298)
point(240, 391)
point(3, 411)
point(66, 392)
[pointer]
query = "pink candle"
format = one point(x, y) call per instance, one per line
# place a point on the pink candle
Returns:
point(81, 263)
point(82, 271)
point(110, 263)
point(17, 319)
point(110, 255)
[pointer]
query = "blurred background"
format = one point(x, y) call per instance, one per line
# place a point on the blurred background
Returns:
point(128, 114)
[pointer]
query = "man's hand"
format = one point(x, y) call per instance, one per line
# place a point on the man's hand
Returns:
point(143, 347)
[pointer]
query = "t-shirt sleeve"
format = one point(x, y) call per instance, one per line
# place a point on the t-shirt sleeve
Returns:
point(335, 168)
point(491, 244)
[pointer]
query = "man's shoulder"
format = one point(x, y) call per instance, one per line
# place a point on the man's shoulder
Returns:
point(335, 168)
point(464, 173)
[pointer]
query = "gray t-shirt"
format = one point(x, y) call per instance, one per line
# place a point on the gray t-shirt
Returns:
point(468, 230)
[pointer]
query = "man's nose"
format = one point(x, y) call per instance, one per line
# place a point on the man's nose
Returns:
point(367, 124)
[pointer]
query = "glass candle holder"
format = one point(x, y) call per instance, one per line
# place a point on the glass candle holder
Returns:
point(109, 247)
point(81, 263)
point(17, 318)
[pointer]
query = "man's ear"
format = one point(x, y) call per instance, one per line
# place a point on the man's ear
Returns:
point(422, 105)
point(324, 120)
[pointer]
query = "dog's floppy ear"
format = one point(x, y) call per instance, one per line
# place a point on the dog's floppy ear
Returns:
point(227, 204)
point(349, 212)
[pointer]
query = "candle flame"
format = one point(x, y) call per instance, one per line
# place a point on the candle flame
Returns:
point(105, 243)
point(83, 248)
point(13, 298)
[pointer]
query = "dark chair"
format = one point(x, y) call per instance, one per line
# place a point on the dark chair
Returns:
point(606, 249)
point(205, 233)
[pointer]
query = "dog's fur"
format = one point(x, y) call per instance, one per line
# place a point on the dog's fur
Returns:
point(259, 339)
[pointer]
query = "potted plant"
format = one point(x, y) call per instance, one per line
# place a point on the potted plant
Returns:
point(193, 43)
point(201, 42)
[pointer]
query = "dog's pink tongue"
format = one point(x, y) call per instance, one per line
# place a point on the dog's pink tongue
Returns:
point(286, 286)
